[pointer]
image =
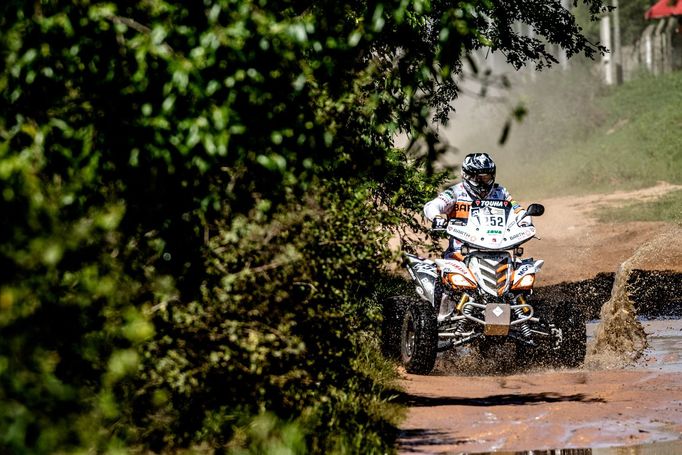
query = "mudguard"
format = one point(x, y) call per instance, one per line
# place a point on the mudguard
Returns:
point(424, 273)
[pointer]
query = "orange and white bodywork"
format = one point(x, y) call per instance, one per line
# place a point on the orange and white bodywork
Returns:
point(523, 278)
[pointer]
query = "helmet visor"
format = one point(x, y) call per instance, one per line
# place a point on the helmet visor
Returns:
point(485, 179)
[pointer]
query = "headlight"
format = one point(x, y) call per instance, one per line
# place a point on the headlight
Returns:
point(526, 282)
point(460, 281)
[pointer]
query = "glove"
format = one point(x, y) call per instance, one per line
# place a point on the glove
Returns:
point(453, 255)
point(439, 222)
point(521, 221)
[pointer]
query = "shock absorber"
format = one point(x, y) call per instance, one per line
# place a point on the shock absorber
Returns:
point(464, 299)
point(524, 326)
point(465, 310)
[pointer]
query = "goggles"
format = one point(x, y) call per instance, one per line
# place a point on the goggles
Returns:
point(483, 178)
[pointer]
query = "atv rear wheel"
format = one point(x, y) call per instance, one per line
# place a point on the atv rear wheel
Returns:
point(419, 338)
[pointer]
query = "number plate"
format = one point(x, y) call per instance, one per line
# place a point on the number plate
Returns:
point(497, 319)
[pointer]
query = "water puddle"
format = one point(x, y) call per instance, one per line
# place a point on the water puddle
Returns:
point(663, 353)
point(659, 448)
point(620, 339)
point(664, 350)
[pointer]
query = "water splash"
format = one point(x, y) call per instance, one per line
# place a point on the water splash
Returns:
point(620, 338)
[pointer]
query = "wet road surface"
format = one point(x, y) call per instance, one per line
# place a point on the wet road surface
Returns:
point(633, 410)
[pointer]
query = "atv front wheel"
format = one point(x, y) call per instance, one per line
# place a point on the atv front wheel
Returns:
point(393, 314)
point(419, 338)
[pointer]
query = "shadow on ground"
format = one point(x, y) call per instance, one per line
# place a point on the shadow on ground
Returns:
point(495, 400)
point(410, 440)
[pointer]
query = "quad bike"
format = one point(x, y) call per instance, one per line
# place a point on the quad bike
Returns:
point(482, 300)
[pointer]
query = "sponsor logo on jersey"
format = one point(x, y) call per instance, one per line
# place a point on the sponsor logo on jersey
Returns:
point(461, 210)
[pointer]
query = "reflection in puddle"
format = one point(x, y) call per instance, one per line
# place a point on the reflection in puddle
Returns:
point(659, 448)
point(664, 352)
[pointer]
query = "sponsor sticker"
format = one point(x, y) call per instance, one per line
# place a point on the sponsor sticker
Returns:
point(421, 267)
point(427, 285)
point(455, 268)
point(462, 233)
point(523, 270)
point(489, 203)
point(525, 232)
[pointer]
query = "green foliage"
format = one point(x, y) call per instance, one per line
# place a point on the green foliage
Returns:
point(630, 16)
point(268, 434)
point(200, 198)
point(283, 353)
point(599, 140)
point(632, 21)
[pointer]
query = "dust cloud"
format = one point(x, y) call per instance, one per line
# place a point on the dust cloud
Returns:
point(620, 338)
point(559, 107)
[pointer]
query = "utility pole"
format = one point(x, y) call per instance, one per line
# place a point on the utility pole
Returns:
point(617, 52)
point(563, 58)
point(605, 38)
point(531, 34)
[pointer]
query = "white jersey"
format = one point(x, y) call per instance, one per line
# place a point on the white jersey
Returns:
point(456, 201)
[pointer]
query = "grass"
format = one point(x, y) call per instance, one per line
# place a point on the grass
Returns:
point(585, 138)
point(667, 208)
point(581, 137)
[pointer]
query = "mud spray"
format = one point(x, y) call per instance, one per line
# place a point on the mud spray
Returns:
point(620, 338)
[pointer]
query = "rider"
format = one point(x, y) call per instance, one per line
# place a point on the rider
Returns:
point(478, 182)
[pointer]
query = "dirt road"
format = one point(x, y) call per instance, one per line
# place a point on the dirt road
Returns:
point(453, 411)
point(575, 246)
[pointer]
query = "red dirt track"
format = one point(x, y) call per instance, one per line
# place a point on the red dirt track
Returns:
point(541, 410)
